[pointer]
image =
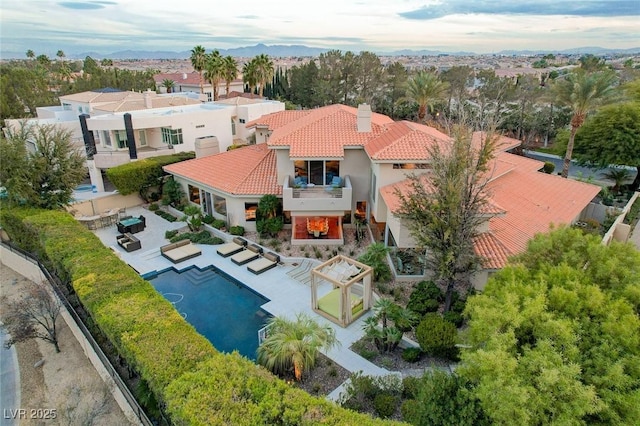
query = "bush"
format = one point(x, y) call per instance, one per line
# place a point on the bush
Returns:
point(437, 337)
point(208, 219)
point(548, 167)
point(219, 223)
point(269, 227)
point(166, 215)
point(454, 318)
point(237, 230)
point(170, 234)
point(410, 387)
point(202, 237)
point(427, 297)
point(385, 404)
point(376, 257)
point(153, 207)
point(412, 354)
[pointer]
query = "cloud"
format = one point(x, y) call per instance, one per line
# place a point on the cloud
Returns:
point(526, 7)
point(88, 5)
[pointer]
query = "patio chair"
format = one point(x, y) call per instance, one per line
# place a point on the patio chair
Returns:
point(229, 249)
point(252, 252)
point(300, 182)
point(336, 182)
point(264, 263)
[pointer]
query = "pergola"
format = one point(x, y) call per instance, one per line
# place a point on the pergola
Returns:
point(352, 289)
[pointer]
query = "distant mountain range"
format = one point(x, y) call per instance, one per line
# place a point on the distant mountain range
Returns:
point(302, 51)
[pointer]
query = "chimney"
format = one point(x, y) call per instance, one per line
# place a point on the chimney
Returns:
point(364, 118)
point(184, 76)
point(148, 103)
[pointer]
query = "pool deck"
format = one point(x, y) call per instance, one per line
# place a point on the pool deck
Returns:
point(287, 296)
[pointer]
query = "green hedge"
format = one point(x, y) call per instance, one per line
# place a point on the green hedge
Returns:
point(197, 384)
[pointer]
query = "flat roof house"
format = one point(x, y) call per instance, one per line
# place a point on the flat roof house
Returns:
point(115, 127)
point(334, 165)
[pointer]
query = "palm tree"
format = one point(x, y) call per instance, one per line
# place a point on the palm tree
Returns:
point(168, 84)
point(230, 71)
point(582, 92)
point(294, 344)
point(425, 88)
point(249, 75)
point(198, 61)
point(264, 70)
point(214, 71)
point(618, 176)
point(30, 54)
point(60, 54)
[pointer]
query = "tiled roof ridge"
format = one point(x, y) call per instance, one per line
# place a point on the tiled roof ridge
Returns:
point(314, 115)
point(265, 154)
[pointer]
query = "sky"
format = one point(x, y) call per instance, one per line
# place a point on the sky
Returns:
point(480, 26)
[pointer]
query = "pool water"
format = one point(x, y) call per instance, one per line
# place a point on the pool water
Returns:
point(222, 309)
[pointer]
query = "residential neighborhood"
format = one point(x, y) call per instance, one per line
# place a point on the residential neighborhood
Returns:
point(348, 238)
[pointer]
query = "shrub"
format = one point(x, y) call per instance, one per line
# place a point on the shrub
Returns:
point(410, 387)
point(218, 223)
point(202, 237)
point(208, 219)
point(548, 167)
point(170, 234)
point(166, 215)
point(237, 230)
point(153, 207)
point(376, 257)
point(412, 354)
point(385, 404)
point(425, 298)
point(437, 337)
point(270, 226)
point(453, 317)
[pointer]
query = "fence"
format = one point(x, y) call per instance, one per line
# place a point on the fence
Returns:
point(120, 392)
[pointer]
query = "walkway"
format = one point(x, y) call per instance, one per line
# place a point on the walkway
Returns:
point(285, 286)
point(9, 382)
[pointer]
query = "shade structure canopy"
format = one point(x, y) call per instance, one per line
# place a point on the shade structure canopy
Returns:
point(352, 289)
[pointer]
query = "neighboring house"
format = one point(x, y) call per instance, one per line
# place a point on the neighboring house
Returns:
point(334, 165)
point(190, 82)
point(114, 127)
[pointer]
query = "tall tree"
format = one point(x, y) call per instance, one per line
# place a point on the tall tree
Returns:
point(582, 92)
point(60, 54)
point(368, 77)
point(612, 136)
point(214, 71)
point(554, 339)
point(168, 84)
point(264, 70)
point(394, 87)
point(330, 87)
point(442, 209)
point(303, 81)
point(198, 62)
point(294, 344)
point(230, 71)
point(30, 54)
point(492, 94)
point(459, 79)
point(425, 88)
point(50, 173)
point(249, 76)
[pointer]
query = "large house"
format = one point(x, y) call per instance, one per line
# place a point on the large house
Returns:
point(114, 127)
point(335, 165)
point(190, 82)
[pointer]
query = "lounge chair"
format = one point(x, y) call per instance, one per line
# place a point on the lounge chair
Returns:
point(264, 263)
point(233, 247)
point(252, 252)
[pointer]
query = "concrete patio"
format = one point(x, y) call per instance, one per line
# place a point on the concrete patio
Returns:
point(287, 296)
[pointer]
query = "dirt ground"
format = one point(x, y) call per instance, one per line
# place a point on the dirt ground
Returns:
point(66, 382)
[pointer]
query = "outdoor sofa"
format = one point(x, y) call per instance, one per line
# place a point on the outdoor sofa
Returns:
point(128, 242)
point(252, 252)
point(180, 251)
point(264, 263)
point(233, 247)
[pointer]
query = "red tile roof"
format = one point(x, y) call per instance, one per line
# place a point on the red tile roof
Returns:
point(250, 170)
point(404, 141)
point(320, 133)
point(523, 202)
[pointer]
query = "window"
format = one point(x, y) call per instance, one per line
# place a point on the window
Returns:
point(373, 186)
point(317, 172)
point(142, 137)
point(106, 137)
point(250, 210)
point(411, 166)
point(233, 127)
point(209, 97)
point(66, 107)
point(172, 136)
point(242, 120)
point(194, 194)
point(121, 138)
point(220, 205)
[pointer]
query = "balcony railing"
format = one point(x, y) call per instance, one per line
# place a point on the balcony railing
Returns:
point(317, 198)
point(105, 158)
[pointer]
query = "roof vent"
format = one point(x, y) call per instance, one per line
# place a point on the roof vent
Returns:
point(364, 118)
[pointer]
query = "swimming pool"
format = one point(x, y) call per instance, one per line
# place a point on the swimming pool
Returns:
point(222, 309)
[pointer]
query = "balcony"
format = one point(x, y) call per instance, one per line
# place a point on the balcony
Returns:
point(316, 198)
point(106, 158)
